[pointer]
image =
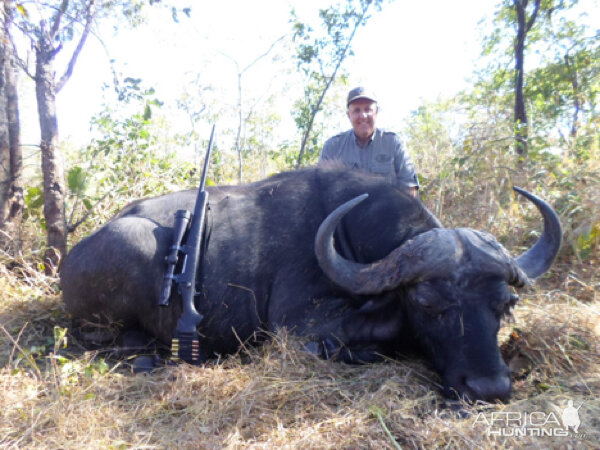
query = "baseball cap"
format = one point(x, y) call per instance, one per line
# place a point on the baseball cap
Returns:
point(358, 93)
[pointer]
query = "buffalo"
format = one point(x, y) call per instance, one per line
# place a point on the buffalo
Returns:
point(357, 267)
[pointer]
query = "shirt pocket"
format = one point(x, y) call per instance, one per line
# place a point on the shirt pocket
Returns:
point(382, 164)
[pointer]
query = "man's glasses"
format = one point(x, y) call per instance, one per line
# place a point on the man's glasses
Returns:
point(359, 112)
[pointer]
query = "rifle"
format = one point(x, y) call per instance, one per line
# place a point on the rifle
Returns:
point(185, 344)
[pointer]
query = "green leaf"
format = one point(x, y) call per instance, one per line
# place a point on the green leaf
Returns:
point(34, 197)
point(147, 112)
point(102, 367)
point(76, 180)
point(60, 338)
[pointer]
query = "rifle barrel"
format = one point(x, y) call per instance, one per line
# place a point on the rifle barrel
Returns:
point(207, 159)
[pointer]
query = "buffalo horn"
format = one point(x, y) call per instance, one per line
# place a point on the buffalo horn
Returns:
point(538, 259)
point(390, 271)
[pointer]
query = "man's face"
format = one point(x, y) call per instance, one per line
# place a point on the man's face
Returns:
point(362, 114)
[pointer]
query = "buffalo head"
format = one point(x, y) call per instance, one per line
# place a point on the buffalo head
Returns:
point(454, 286)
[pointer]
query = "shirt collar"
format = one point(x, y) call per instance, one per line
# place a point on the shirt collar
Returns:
point(368, 142)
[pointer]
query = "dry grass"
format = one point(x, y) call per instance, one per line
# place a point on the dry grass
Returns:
point(278, 396)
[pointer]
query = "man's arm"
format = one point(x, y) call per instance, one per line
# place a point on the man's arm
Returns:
point(405, 168)
point(328, 151)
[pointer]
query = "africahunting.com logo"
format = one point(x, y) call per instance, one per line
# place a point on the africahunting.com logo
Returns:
point(536, 423)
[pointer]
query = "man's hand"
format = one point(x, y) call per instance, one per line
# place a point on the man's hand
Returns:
point(413, 191)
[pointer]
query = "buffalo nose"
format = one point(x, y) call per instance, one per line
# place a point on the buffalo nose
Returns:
point(490, 388)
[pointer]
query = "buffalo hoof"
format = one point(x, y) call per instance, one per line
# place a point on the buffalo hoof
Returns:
point(96, 338)
point(325, 349)
point(132, 343)
point(313, 347)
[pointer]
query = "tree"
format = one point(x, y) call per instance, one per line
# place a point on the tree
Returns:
point(320, 58)
point(241, 118)
point(565, 87)
point(524, 25)
point(559, 87)
point(58, 24)
point(11, 160)
point(49, 27)
point(130, 156)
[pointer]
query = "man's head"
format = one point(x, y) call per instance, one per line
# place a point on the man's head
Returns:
point(362, 112)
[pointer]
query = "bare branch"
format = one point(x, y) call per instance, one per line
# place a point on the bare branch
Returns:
point(240, 137)
point(22, 64)
point(258, 58)
point(533, 16)
point(73, 227)
point(43, 25)
point(86, 30)
point(56, 24)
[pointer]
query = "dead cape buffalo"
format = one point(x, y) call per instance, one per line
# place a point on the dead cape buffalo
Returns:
point(358, 276)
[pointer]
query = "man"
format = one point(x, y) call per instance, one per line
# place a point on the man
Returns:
point(370, 148)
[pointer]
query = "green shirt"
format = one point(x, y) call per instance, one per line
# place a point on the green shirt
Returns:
point(384, 154)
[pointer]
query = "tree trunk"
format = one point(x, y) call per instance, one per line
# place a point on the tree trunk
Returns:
point(309, 126)
point(52, 164)
point(11, 160)
point(4, 136)
point(575, 85)
point(520, 118)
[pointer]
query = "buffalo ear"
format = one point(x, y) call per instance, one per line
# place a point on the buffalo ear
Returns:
point(517, 276)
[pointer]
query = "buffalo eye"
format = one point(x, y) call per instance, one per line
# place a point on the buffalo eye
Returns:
point(433, 307)
point(429, 298)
